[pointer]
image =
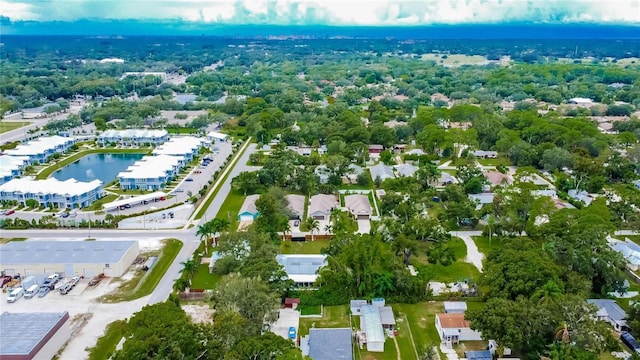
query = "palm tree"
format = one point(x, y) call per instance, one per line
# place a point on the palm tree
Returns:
point(204, 232)
point(548, 293)
point(313, 225)
point(180, 284)
point(190, 268)
point(286, 227)
point(563, 334)
point(218, 225)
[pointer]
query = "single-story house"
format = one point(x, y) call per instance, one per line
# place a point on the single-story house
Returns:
point(387, 319)
point(356, 306)
point(453, 328)
point(376, 149)
point(321, 205)
point(417, 152)
point(630, 251)
point(548, 193)
point(580, 101)
point(455, 307)
point(382, 172)
point(371, 328)
point(302, 269)
point(611, 312)
point(248, 210)
point(581, 195)
point(497, 178)
point(296, 206)
point(636, 184)
point(481, 199)
point(322, 172)
point(328, 344)
point(359, 206)
point(353, 171)
point(446, 179)
point(214, 136)
point(406, 170)
point(485, 154)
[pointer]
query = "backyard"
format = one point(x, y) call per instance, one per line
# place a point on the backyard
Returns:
point(457, 271)
point(303, 247)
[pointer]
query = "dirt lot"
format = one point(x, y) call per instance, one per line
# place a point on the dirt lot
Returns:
point(89, 315)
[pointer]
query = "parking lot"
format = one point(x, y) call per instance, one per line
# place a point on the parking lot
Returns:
point(84, 303)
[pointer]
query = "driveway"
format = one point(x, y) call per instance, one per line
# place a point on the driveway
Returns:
point(474, 256)
point(288, 318)
point(364, 226)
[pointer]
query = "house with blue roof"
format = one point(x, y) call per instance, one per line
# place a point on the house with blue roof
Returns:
point(609, 311)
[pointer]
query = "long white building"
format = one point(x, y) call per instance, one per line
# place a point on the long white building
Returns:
point(70, 193)
point(133, 137)
point(39, 150)
point(151, 172)
point(12, 166)
point(185, 146)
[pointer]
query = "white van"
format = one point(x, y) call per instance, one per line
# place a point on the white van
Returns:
point(31, 291)
point(15, 294)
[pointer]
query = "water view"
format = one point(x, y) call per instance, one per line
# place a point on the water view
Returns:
point(104, 167)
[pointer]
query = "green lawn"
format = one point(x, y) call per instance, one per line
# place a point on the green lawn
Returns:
point(231, 207)
point(133, 289)
point(495, 162)
point(482, 242)
point(203, 279)
point(8, 126)
point(97, 205)
point(458, 270)
point(421, 317)
point(303, 247)
point(334, 317)
point(6, 240)
point(46, 172)
point(310, 309)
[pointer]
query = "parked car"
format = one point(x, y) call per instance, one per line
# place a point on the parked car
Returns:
point(5, 280)
point(64, 290)
point(96, 280)
point(630, 341)
point(127, 206)
point(51, 280)
point(64, 215)
point(292, 333)
point(44, 290)
point(188, 179)
point(296, 223)
point(15, 294)
point(10, 212)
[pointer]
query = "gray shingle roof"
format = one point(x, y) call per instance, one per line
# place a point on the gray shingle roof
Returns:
point(330, 344)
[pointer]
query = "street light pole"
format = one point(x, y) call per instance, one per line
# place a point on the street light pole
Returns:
point(89, 226)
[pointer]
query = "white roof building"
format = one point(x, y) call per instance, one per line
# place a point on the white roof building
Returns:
point(180, 146)
point(152, 167)
point(70, 187)
point(302, 269)
point(41, 145)
point(134, 134)
point(381, 171)
point(11, 166)
point(214, 135)
point(358, 205)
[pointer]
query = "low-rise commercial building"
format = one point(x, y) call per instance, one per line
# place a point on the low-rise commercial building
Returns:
point(69, 193)
point(133, 137)
point(71, 258)
point(39, 150)
point(26, 336)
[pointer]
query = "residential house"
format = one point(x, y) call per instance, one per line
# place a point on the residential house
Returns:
point(371, 328)
point(580, 101)
point(248, 210)
point(184, 146)
point(328, 344)
point(356, 306)
point(478, 355)
point(636, 184)
point(453, 328)
point(455, 307)
point(387, 319)
point(39, 150)
point(481, 199)
point(151, 172)
point(376, 149)
point(406, 170)
point(496, 178)
point(359, 206)
point(382, 172)
point(446, 179)
point(417, 152)
point(548, 193)
point(52, 192)
point(482, 154)
point(322, 172)
point(581, 195)
point(183, 99)
point(302, 269)
point(611, 312)
point(215, 136)
point(629, 250)
point(321, 205)
point(133, 137)
point(11, 167)
point(353, 171)
point(296, 206)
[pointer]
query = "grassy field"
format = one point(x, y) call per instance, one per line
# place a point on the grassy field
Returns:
point(455, 59)
point(97, 205)
point(203, 279)
point(46, 172)
point(303, 247)
point(310, 309)
point(133, 289)
point(495, 162)
point(230, 208)
point(482, 242)
point(106, 344)
point(334, 317)
point(8, 126)
point(458, 270)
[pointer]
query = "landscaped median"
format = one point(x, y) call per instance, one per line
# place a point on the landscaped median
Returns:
point(202, 208)
point(46, 172)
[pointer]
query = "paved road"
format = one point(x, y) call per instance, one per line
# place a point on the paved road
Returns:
point(225, 188)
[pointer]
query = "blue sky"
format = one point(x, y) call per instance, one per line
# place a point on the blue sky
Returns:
point(329, 12)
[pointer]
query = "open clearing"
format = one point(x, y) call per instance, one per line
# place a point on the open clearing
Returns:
point(8, 126)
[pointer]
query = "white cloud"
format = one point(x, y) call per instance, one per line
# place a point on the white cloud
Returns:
point(332, 12)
